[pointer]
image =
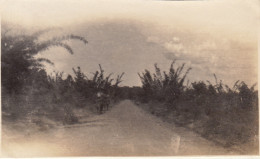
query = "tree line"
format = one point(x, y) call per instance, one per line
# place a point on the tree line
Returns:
point(27, 88)
point(228, 115)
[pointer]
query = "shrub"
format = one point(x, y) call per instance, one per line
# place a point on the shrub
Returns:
point(225, 115)
point(167, 87)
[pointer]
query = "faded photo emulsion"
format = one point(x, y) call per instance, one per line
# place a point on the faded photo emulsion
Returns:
point(129, 78)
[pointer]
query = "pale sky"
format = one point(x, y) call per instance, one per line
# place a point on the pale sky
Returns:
point(131, 35)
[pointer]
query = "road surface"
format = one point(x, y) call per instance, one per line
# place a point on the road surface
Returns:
point(125, 130)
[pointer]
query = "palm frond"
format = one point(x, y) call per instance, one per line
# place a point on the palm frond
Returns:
point(45, 60)
point(70, 37)
point(46, 45)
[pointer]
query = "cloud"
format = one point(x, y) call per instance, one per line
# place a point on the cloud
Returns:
point(207, 46)
point(231, 59)
point(176, 39)
point(128, 46)
point(176, 48)
point(153, 39)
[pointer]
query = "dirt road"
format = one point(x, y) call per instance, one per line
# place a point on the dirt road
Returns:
point(126, 130)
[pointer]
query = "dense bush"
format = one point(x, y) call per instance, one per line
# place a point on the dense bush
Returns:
point(54, 93)
point(166, 86)
point(226, 115)
point(99, 82)
point(27, 89)
point(216, 111)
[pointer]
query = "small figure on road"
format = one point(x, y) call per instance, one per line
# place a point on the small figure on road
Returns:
point(103, 100)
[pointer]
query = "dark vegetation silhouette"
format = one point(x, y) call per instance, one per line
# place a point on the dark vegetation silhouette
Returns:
point(226, 115)
point(28, 92)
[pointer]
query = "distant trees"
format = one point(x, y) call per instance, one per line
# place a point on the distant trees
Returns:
point(99, 82)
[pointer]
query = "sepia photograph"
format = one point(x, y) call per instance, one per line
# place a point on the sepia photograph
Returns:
point(129, 78)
